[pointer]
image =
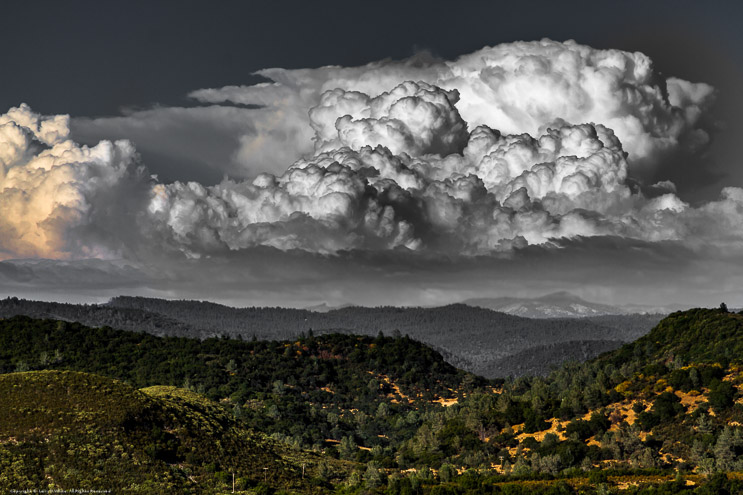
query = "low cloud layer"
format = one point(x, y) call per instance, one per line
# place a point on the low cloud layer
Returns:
point(511, 148)
point(604, 269)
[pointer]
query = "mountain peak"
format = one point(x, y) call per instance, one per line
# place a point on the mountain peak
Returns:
point(562, 296)
point(560, 304)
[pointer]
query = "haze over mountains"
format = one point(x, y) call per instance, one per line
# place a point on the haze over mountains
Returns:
point(561, 304)
point(483, 341)
point(564, 305)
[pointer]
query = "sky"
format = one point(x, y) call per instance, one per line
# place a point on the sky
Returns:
point(405, 153)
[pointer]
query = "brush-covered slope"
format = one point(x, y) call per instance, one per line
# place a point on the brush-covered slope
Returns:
point(65, 430)
point(311, 392)
point(670, 400)
point(542, 359)
point(697, 335)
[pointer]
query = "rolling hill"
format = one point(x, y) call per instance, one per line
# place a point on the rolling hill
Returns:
point(470, 338)
point(65, 430)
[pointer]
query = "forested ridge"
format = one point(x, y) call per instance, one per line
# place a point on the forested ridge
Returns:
point(283, 387)
point(660, 415)
point(474, 339)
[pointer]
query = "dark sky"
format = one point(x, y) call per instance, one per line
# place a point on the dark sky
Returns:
point(90, 58)
point(125, 70)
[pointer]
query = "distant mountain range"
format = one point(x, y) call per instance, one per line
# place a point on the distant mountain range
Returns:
point(475, 339)
point(325, 307)
point(563, 305)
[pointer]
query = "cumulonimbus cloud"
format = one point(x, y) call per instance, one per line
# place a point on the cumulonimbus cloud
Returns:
point(515, 88)
point(54, 193)
point(515, 145)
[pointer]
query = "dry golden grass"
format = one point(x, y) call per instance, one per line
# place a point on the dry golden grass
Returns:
point(690, 400)
point(539, 436)
point(446, 402)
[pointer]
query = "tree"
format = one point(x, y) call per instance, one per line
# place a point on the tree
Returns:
point(704, 425)
point(521, 467)
point(323, 472)
point(373, 476)
point(447, 473)
point(721, 394)
point(724, 451)
point(723, 307)
point(348, 448)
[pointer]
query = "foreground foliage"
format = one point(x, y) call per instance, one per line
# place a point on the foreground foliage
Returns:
point(68, 430)
point(389, 415)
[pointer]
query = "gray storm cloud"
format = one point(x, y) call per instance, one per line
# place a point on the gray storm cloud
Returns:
point(516, 145)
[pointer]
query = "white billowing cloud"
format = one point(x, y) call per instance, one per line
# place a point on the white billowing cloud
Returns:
point(520, 87)
point(46, 130)
point(413, 118)
point(469, 193)
point(515, 88)
point(313, 208)
point(371, 198)
point(50, 186)
point(516, 145)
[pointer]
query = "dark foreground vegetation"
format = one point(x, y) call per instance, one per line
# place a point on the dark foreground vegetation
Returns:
point(361, 414)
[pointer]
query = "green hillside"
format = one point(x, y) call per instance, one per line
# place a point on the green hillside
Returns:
point(697, 335)
point(663, 414)
point(305, 391)
point(69, 430)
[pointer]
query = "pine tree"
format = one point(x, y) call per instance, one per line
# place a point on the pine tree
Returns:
point(373, 476)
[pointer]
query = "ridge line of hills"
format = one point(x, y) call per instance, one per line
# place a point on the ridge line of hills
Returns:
point(475, 339)
point(565, 305)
